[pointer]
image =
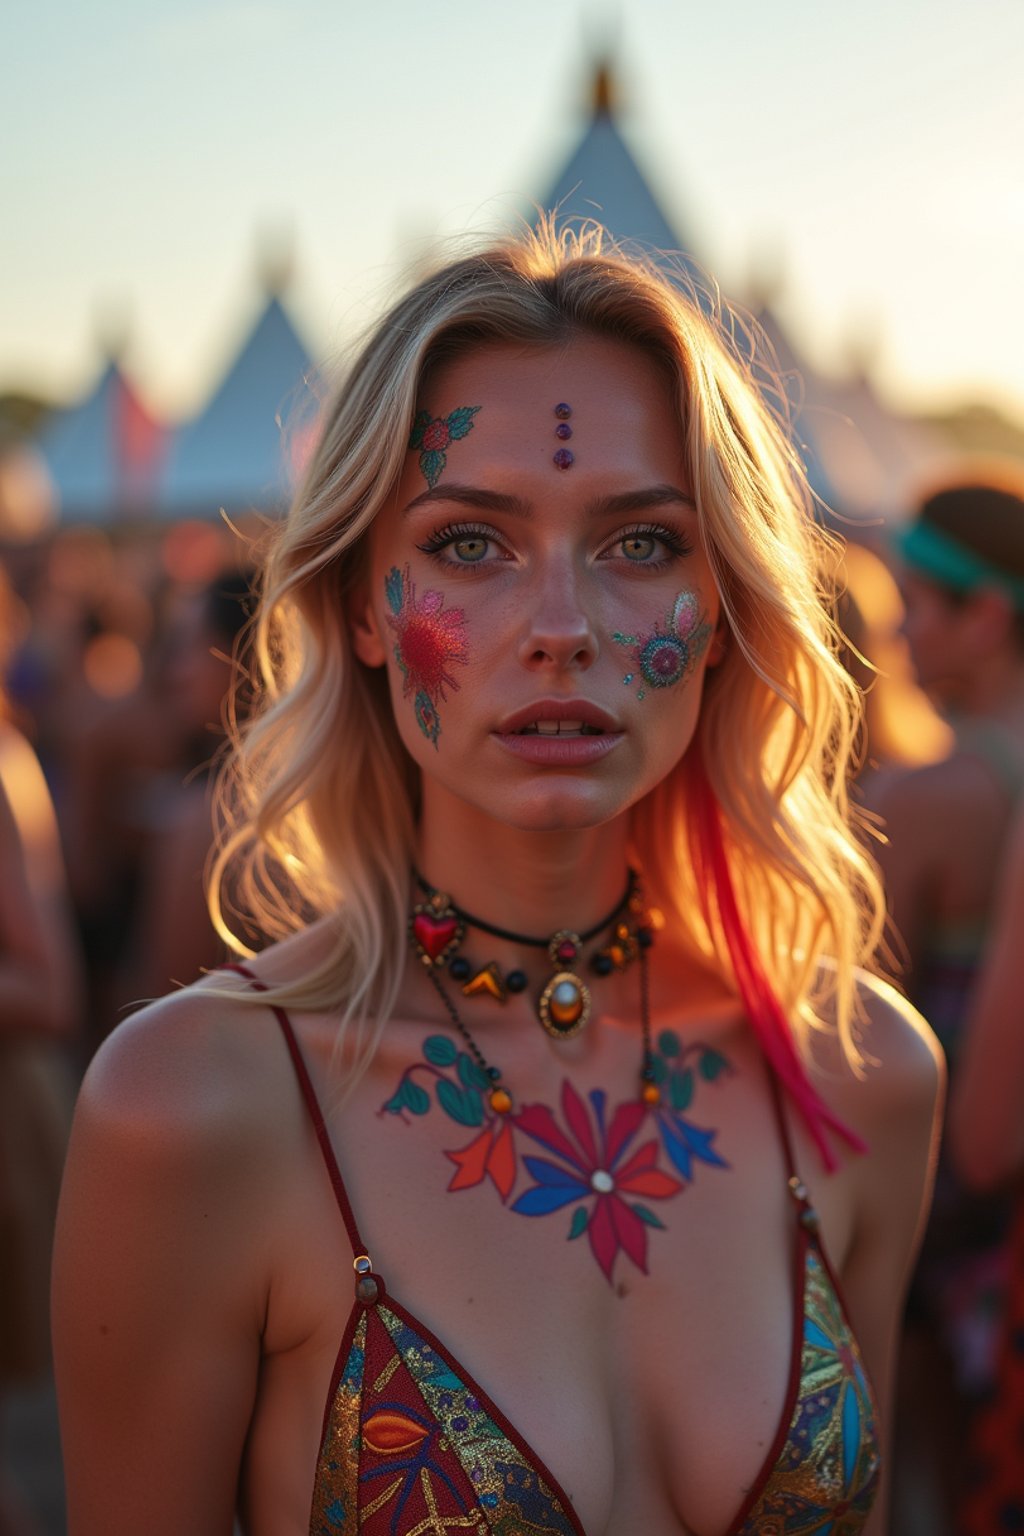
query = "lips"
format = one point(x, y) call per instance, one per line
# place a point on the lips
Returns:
point(559, 717)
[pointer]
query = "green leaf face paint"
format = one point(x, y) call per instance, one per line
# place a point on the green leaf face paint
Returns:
point(432, 435)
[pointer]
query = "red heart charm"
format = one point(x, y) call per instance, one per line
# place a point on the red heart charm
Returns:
point(434, 934)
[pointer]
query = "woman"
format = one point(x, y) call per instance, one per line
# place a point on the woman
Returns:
point(36, 1017)
point(173, 940)
point(545, 612)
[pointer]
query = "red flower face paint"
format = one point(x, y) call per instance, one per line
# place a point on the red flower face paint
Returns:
point(432, 434)
point(669, 652)
point(429, 638)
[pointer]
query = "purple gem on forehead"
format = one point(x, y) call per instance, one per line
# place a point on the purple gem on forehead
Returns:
point(563, 411)
point(563, 458)
point(563, 430)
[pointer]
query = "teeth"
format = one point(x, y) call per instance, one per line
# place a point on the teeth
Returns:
point(559, 728)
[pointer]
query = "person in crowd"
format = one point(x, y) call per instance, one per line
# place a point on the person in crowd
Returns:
point(173, 939)
point(542, 805)
point(986, 1142)
point(946, 827)
point(901, 727)
point(37, 1015)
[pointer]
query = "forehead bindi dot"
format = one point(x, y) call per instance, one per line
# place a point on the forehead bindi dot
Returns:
point(563, 458)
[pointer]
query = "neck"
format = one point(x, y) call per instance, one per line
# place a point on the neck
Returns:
point(532, 883)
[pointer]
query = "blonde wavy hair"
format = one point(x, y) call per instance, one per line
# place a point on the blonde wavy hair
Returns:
point(319, 797)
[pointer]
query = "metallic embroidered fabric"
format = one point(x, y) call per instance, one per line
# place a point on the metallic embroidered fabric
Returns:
point(826, 1478)
point(410, 1449)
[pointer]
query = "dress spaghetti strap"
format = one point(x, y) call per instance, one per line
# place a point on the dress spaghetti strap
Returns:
point(788, 1154)
point(315, 1114)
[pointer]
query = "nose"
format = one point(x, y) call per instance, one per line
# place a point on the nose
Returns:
point(558, 633)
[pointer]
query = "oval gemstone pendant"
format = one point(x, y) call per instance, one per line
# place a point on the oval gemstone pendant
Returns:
point(564, 1005)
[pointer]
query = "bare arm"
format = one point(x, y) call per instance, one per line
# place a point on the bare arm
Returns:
point(160, 1288)
point(986, 1123)
point(903, 1097)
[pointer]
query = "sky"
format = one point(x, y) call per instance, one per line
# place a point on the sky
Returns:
point(872, 153)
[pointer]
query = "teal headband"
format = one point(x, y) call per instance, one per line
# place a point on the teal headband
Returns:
point(927, 549)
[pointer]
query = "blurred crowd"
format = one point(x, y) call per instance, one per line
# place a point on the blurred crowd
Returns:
point(116, 654)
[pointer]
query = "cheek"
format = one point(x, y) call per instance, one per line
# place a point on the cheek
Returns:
point(668, 648)
point(429, 644)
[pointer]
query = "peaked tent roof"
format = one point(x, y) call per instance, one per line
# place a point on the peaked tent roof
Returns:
point(105, 453)
point(238, 452)
point(602, 180)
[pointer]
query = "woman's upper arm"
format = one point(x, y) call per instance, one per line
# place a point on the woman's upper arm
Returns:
point(903, 1106)
point(986, 1127)
point(158, 1291)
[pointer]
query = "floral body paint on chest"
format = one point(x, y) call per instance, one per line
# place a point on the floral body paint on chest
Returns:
point(429, 640)
point(666, 654)
point(605, 1163)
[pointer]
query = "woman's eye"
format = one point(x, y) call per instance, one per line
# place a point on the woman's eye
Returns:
point(639, 546)
point(455, 545)
point(654, 546)
point(470, 549)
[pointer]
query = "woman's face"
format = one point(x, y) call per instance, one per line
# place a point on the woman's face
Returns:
point(538, 591)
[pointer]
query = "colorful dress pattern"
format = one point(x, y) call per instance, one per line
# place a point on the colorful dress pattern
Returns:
point(825, 1479)
point(411, 1449)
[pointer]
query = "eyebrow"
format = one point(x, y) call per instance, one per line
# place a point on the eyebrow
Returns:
point(514, 506)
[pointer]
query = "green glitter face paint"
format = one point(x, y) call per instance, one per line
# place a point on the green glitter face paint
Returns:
point(429, 639)
point(432, 434)
point(671, 650)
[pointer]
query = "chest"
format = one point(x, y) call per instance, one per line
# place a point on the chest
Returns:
point(649, 1378)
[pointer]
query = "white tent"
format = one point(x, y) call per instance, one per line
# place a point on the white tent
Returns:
point(239, 453)
point(861, 459)
point(105, 453)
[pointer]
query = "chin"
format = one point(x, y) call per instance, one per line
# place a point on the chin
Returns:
point(565, 807)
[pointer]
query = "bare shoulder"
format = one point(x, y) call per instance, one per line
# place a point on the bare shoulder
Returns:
point(175, 1194)
point(900, 1081)
point(903, 1060)
point(196, 1059)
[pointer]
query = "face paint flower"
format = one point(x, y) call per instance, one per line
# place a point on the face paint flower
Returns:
point(432, 434)
point(429, 639)
point(671, 651)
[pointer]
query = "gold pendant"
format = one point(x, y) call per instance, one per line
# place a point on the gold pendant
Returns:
point(564, 1005)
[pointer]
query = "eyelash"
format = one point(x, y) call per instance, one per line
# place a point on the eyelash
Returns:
point(677, 543)
point(451, 533)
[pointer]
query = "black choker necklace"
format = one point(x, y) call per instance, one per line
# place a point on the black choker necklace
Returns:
point(437, 928)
